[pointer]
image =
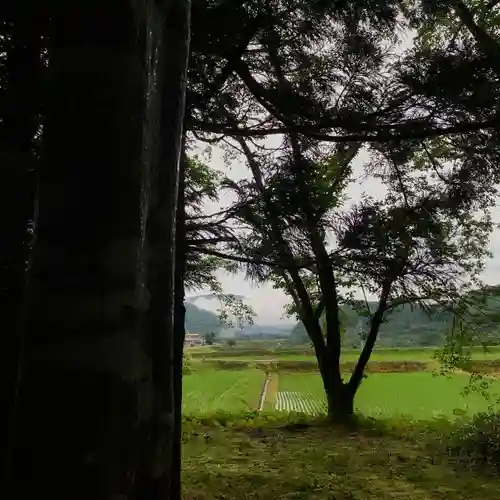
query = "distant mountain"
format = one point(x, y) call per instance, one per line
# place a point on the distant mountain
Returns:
point(208, 296)
point(201, 321)
point(405, 327)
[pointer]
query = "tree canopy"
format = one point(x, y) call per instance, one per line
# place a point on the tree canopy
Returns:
point(99, 127)
point(337, 90)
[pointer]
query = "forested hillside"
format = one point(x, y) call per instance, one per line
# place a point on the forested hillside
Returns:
point(201, 321)
point(407, 326)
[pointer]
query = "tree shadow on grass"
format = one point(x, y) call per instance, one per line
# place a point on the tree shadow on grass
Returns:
point(316, 462)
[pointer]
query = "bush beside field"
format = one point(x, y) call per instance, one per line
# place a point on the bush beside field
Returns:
point(301, 352)
point(223, 352)
point(484, 366)
point(311, 365)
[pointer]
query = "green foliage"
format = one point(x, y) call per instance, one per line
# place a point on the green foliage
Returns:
point(233, 310)
point(438, 23)
point(187, 363)
point(209, 338)
point(477, 444)
point(201, 185)
point(474, 321)
point(203, 234)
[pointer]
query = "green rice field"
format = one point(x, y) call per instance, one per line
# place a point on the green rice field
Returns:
point(230, 384)
point(210, 391)
point(420, 396)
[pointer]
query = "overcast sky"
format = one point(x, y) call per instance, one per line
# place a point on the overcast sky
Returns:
point(267, 302)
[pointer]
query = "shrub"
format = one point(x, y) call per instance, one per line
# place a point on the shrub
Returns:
point(484, 366)
point(297, 366)
point(225, 364)
point(477, 443)
point(187, 363)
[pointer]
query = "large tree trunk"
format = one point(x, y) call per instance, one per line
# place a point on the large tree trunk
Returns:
point(179, 331)
point(339, 394)
point(78, 407)
point(180, 316)
point(161, 239)
point(18, 126)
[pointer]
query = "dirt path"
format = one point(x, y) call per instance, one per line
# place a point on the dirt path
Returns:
point(263, 394)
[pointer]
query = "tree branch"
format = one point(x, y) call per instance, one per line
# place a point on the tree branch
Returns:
point(406, 300)
point(380, 136)
point(234, 57)
point(375, 323)
point(492, 4)
point(486, 43)
point(247, 260)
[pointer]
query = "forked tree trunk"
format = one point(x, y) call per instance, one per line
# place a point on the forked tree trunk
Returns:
point(340, 402)
point(339, 395)
point(78, 406)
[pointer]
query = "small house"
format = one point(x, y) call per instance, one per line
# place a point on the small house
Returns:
point(193, 339)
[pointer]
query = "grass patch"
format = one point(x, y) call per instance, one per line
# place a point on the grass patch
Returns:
point(265, 459)
point(421, 395)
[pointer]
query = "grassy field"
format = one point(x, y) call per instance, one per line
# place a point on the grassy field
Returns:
point(231, 452)
point(279, 462)
point(418, 395)
point(421, 395)
point(231, 391)
point(233, 383)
